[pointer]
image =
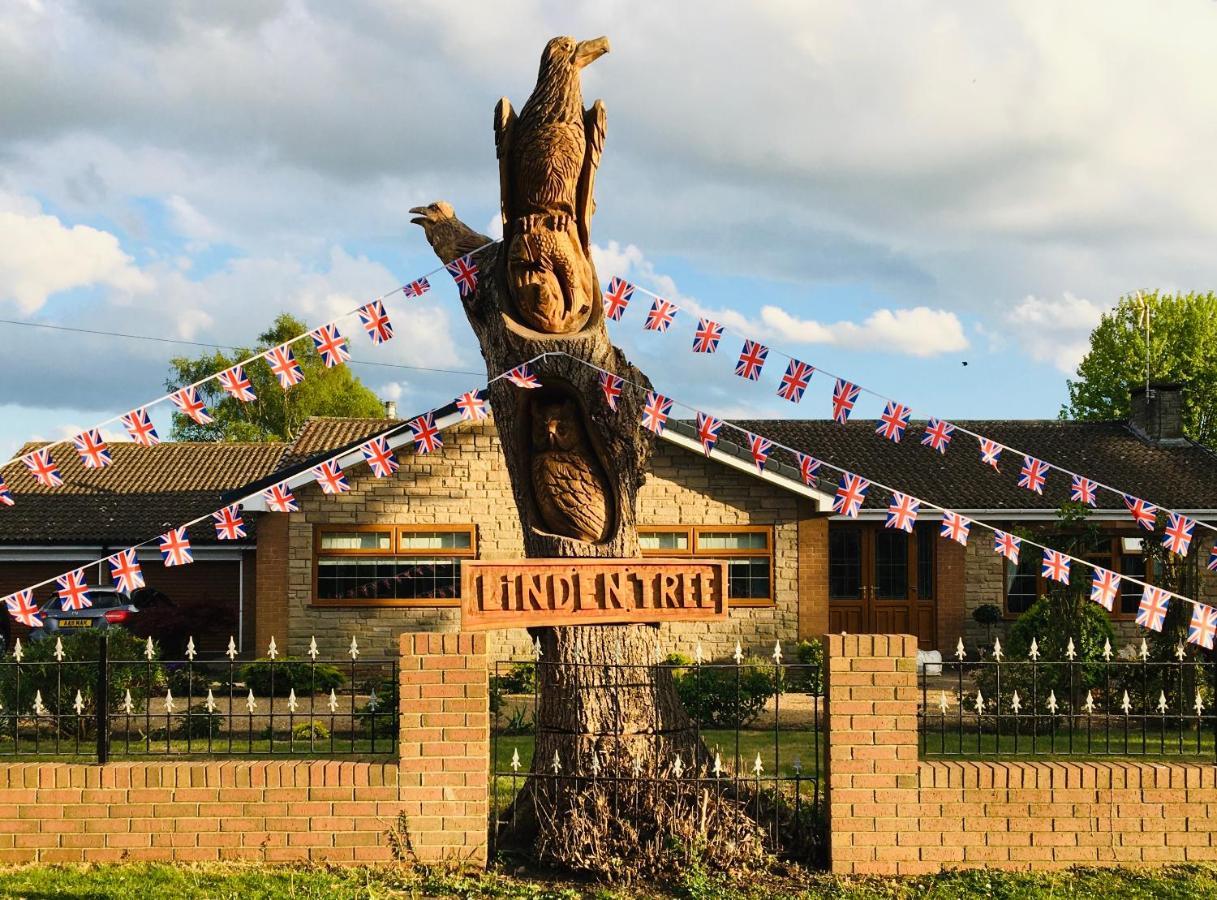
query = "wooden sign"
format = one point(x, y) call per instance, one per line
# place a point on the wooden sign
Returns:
point(532, 592)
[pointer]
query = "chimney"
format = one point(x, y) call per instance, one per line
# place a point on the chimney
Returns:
point(390, 409)
point(1157, 414)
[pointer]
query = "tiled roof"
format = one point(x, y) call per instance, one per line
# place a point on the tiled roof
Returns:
point(323, 434)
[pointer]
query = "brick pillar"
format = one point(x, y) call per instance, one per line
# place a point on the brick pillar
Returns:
point(270, 579)
point(813, 573)
point(445, 745)
point(872, 765)
point(949, 595)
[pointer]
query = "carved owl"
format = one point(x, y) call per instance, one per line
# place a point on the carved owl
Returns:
point(568, 485)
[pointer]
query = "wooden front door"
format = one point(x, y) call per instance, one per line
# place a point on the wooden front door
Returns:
point(881, 581)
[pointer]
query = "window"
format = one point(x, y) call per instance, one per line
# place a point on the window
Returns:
point(927, 538)
point(747, 549)
point(844, 563)
point(391, 566)
point(1024, 583)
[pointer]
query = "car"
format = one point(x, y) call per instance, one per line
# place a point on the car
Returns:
point(109, 608)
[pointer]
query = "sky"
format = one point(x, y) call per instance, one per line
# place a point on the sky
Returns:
point(936, 201)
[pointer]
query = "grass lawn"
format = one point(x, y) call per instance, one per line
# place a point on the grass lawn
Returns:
point(245, 881)
point(1077, 743)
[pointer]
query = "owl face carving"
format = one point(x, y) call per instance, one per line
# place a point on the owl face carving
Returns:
point(556, 426)
point(568, 482)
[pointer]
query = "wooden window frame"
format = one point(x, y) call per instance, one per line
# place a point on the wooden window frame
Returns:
point(1113, 561)
point(395, 530)
point(694, 551)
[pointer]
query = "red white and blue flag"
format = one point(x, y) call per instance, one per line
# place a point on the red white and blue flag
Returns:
point(376, 322)
point(1104, 587)
point(851, 492)
point(1179, 532)
point(1056, 566)
point(617, 298)
point(844, 396)
point(795, 381)
point(955, 527)
point(1212, 563)
point(416, 288)
point(464, 272)
point(1033, 474)
point(760, 448)
point(72, 590)
point(660, 316)
point(1082, 490)
point(331, 478)
point(6, 498)
point(94, 454)
point(707, 336)
point(43, 468)
point(279, 498)
point(175, 548)
point(610, 385)
point(809, 468)
point(237, 385)
point(990, 452)
point(902, 512)
point(229, 523)
point(751, 360)
point(1203, 627)
point(1007, 545)
point(894, 421)
point(380, 457)
point(523, 377)
point(140, 428)
point(472, 406)
point(21, 606)
point(187, 400)
point(1151, 613)
point(938, 435)
point(283, 363)
point(331, 345)
point(1145, 514)
point(427, 438)
point(125, 572)
point(655, 411)
point(708, 428)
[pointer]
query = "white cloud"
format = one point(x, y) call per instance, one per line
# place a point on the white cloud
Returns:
point(189, 222)
point(1054, 331)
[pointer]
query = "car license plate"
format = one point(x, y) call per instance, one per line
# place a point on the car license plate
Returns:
point(75, 623)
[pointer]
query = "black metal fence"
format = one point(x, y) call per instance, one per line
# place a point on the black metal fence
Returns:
point(98, 700)
point(1109, 704)
point(752, 744)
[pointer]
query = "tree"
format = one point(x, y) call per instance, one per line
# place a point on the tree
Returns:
point(276, 414)
point(1182, 347)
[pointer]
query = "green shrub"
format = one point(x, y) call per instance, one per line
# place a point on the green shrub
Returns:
point(289, 674)
point(188, 681)
point(808, 680)
point(520, 678)
point(726, 696)
point(311, 731)
point(200, 723)
point(381, 711)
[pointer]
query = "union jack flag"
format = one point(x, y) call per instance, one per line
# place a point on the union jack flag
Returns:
point(279, 498)
point(990, 452)
point(1145, 514)
point(902, 512)
point(376, 322)
point(139, 427)
point(523, 377)
point(283, 364)
point(894, 421)
point(1212, 563)
point(125, 572)
point(1151, 613)
point(751, 360)
point(472, 405)
point(237, 385)
point(6, 498)
point(617, 298)
point(21, 606)
point(331, 478)
point(1082, 490)
point(1203, 627)
point(708, 428)
point(416, 288)
point(1179, 532)
point(844, 396)
point(937, 435)
point(1104, 586)
point(464, 272)
point(1056, 566)
point(331, 345)
point(380, 458)
point(72, 590)
point(759, 447)
point(1033, 474)
point(955, 527)
point(795, 381)
point(230, 525)
point(655, 411)
point(188, 402)
point(1007, 545)
point(809, 468)
point(427, 438)
point(660, 316)
point(850, 493)
point(707, 336)
point(610, 384)
point(94, 454)
point(175, 548)
point(43, 468)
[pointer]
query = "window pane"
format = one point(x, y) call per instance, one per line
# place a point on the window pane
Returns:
point(664, 540)
point(356, 540)
point(731, 540)
point(891, 565)
point(1022, 583)
point(748, 579)
point(428, 579)
point(356, 578)
point(435, 540)
point(926, 535)
point(1130, 593)
point(844, 563)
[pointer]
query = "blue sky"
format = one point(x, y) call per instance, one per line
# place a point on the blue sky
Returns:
point(884, 196)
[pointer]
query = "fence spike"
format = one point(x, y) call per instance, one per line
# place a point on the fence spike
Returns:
point(373, 701)
point(997, 649)
point(536, 648)
point(757, 766)
point(798, 765)
point(678, 767)
point(557, 763)
point(211, 701)
point(149, 650)
point(58, 649)
point(1199, 704)
point(595, 763)
point(18, 653)
point(250, 703)
point(1015, 703)
point(312, 648)
point(697, 654)
point(272, 651)
point(169, 707)
point(739, 653)
point(1126, 704)
point(980, 702)
point(718, 764)
point(1107, 649)
point(942, 701)
point(292, 703)
point(515, 759)
point(1070, 652)
point(1052, 702)
point(1034, 652)
point(637, 766)
point(1162, 702)
point(1180, 653)
point(79, 704)
point(190, 651)
point(1089, 704)
point(777, 653)
point(960, 652)
point(232, 648)
point(128, 703)
point(1144, 649)
point(333, 701)
point(354, 651)
point(39, 709)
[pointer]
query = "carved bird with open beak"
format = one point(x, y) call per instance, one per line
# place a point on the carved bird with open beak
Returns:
point(448, 236)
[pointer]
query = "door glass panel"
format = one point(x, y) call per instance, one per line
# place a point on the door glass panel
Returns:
point(925, 561)
point(1022, 583)
point(891, 565)
point(844, 563)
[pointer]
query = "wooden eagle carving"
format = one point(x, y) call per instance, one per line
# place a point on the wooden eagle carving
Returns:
point(548, 156)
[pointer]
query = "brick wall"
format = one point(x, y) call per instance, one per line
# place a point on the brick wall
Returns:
point(813, 572)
